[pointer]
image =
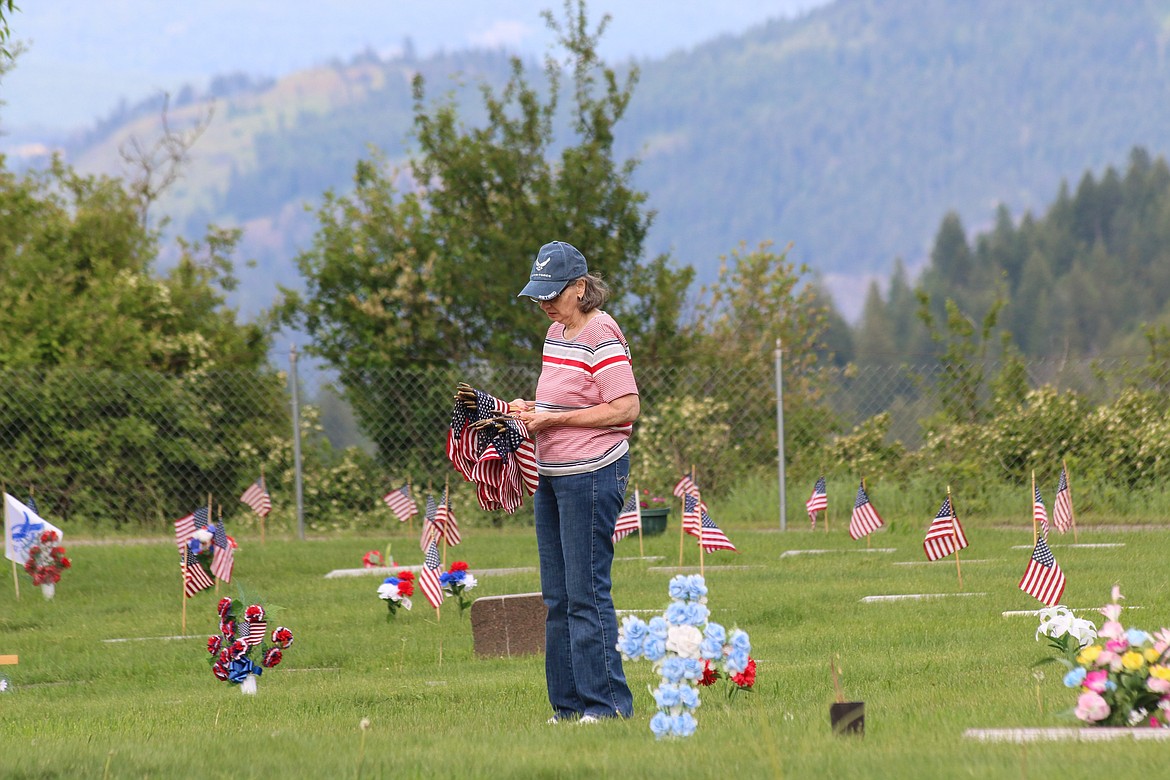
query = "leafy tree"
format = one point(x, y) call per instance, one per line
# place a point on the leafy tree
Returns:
point(422, 266)
point(114, 377)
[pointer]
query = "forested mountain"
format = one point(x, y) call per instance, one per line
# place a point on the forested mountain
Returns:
point(850, 131)
point(1087, 276)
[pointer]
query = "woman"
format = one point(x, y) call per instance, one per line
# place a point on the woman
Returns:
point(586, 403)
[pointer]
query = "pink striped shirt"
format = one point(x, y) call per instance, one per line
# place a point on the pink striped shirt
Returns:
point(591, 369)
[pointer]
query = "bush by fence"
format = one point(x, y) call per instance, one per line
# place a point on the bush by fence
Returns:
point(118, 449)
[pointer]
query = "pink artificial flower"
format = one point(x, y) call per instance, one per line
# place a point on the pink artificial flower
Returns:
point(1112, 629)
point(1091, 707)
point(1158, 685)
point(1095, 680)
point(1107, 658)
point(1162, 640)
point(1117, 645)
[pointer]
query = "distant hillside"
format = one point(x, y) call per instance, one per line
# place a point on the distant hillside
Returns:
point(849, 131)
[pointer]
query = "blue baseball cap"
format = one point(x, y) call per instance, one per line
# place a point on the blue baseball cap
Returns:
point(556, 264)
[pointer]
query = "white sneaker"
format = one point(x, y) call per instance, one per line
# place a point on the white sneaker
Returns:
point(554, 720)
point(589, 719)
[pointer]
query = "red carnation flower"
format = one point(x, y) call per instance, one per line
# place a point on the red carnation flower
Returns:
point(238, 649)
point(48, 536)
point(66, 563)
point(272, 657)
point(406, 588)
point(283, 637)
point(459, 566)
point(710, 674)
point(746, 678)
point(214, 644)
point(220, 671)
point(406, 575)
point(225, 657)
point(227, 627)
point(254, 613)
point(225, 606)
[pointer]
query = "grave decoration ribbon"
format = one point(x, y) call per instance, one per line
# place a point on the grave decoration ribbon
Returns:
point(492, 449)
point(686, 650)
point(231, 650)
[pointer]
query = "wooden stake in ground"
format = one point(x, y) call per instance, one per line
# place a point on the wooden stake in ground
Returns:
point(446, 518)
point(955, 536)
point(1032, 501)
point(15, 578)
point(638, 508)
point(836, 681)
point(264, 487)
point(1068, 492)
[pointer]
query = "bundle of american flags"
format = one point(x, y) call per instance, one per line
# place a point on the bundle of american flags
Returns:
point(491, 449)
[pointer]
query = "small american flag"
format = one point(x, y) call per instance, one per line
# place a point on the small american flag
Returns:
point(693, 509)
point(430, 528)
point(865, 519)
point(184, 530)
point(1039, 513)
point(945, 534)
point(202, 517)
point(256, 496)
point(710, 537)
point(400, 503)
point(686, 486)
point(32, 504)
point(223, 559)
point(428, 578)
point(629, 520)
point(1043, 578)
point(445, 521)
point(818, 501)
point(256, 632)
point(194, 578)
point(1062, 511)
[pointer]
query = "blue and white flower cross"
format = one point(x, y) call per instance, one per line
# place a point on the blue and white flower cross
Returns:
point(677, 643)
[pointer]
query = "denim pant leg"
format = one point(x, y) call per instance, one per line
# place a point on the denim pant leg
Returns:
point(575, 573)
point(558, 660)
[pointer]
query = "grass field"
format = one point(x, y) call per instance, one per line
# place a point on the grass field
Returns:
point(927, 670)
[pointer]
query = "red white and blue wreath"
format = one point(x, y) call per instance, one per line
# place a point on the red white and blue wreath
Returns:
point(241, 642)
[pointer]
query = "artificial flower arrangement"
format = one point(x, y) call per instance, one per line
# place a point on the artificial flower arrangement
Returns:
point(232, 648)
point(396, 590)
point(686, 649)
point(372, 559)
point(457, 581)
point(1122, 675)
point(646, 501)
point(202, 545)
point(46, 560)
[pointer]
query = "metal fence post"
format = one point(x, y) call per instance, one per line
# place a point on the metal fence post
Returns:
point(294, 381)
point(780, 434)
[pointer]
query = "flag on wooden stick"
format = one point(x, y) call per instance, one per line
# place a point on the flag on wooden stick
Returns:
point(710, 537)
point(865, 519)
point(256, 496)
point(818, 501)
point(1062, 511)
point(1043, 578)
point(1039, 513)
point(401, 503)
point(629, 520)
point(428, 578)
point(445, 521)
point(945, 534)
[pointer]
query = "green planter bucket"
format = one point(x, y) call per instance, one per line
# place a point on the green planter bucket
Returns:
point(654, 521)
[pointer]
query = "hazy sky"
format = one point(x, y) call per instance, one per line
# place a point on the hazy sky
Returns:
point(84, 56)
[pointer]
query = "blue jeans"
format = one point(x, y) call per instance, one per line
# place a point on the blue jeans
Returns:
point(575, 517)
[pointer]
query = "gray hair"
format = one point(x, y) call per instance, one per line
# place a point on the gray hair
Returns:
point(596, 293)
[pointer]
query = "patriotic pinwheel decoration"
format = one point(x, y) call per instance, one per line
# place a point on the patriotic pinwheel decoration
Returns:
point(232, 650)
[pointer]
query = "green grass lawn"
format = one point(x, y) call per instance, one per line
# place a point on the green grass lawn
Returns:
point(927, 670)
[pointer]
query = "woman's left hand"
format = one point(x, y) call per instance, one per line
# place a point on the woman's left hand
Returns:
point(538, 421)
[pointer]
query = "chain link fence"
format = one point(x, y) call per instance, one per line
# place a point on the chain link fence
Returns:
point(137, 449)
